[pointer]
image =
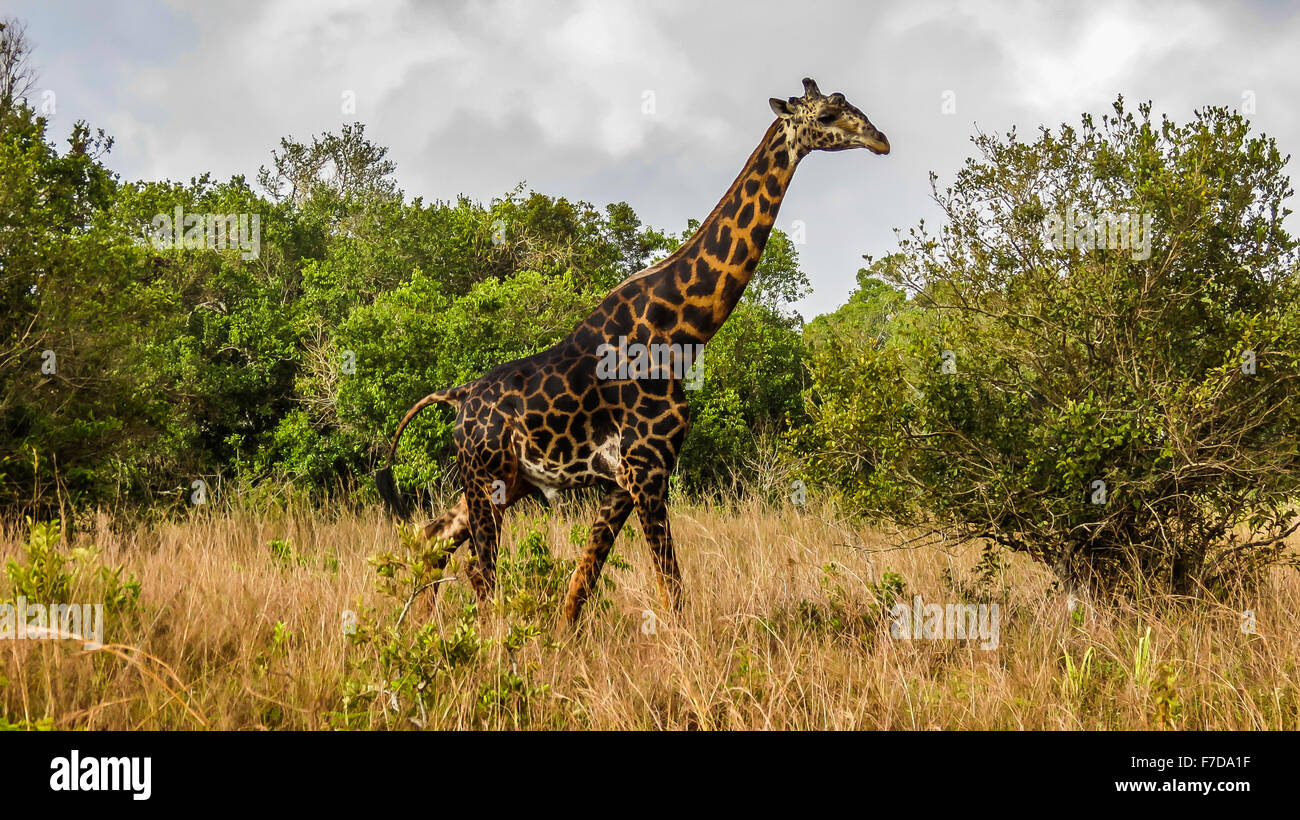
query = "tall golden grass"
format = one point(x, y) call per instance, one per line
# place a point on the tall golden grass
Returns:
point(777, 632)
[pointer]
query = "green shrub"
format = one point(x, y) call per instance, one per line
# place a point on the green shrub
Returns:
point(1129, 421)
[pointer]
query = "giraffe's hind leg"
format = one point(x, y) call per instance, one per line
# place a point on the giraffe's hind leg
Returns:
point(614, 510)
point(484, 526)
point(452, 525)
point(486, 502)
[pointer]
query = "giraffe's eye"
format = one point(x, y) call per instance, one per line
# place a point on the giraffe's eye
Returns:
point(826, 119)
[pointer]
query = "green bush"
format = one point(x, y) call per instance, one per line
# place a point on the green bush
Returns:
point(1129, 421)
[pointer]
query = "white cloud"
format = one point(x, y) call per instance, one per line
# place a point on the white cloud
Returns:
point(578, 71)
point(473, 97)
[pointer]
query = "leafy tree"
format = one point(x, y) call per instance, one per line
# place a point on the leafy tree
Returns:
point(635, 244)
point(335, 166)
point(410, 341)
point(17, 75)
point(866, 319)
point(1128, 418)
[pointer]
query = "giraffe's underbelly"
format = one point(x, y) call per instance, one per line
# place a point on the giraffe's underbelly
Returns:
point(589, 463)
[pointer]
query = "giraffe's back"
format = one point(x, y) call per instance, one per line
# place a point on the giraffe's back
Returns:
point(567, 423)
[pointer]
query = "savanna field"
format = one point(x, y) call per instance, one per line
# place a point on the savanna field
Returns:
point(234, 618)
point(1069, 399)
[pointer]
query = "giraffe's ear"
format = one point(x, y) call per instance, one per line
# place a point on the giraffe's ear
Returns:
point(781, 107)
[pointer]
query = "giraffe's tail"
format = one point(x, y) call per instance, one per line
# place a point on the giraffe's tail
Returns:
point(393, 500)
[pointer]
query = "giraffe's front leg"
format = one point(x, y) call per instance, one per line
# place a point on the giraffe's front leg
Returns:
point(614, 510)
point(649, 488)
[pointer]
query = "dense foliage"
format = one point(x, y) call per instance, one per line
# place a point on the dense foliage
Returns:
point(1120, 405)
point(132, 367)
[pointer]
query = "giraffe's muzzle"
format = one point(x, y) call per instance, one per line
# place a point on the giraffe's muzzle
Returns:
point(875, 142)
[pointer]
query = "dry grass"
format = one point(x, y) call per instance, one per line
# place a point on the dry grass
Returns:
point(771, 637)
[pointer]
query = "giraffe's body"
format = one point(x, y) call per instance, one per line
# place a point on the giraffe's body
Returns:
point(559, 420)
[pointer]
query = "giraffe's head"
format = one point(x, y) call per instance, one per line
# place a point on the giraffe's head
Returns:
point(815, 122)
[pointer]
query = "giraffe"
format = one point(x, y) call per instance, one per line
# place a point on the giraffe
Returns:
point(577, 415)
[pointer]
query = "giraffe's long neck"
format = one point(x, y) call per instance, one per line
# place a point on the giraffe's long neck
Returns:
point(701, 283)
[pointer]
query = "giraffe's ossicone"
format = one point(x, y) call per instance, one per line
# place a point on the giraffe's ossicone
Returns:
point(607, 405)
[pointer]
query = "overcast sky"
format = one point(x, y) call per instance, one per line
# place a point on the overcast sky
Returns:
point(474, 97)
